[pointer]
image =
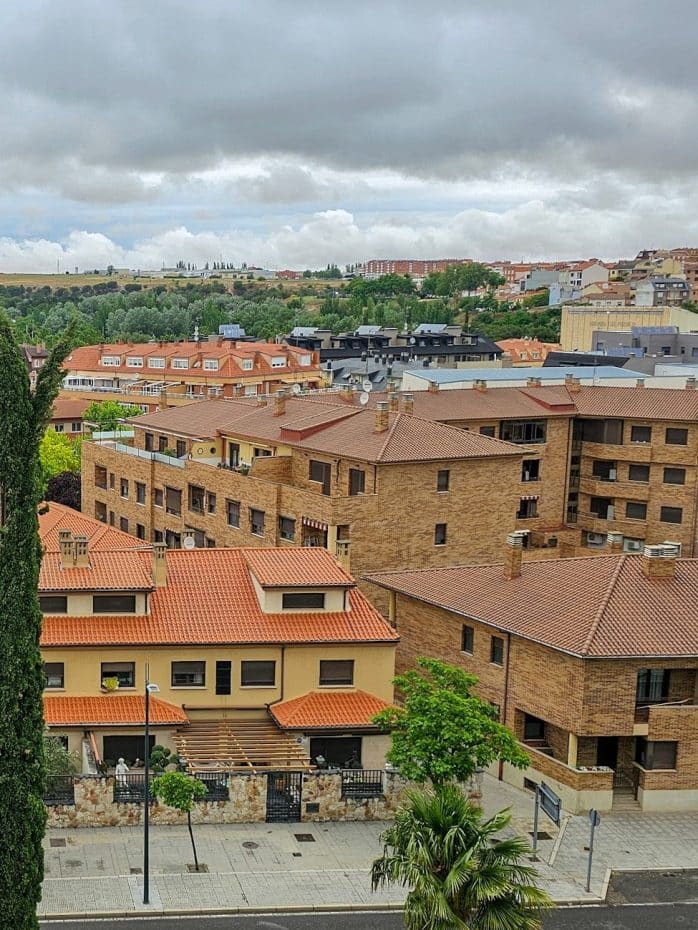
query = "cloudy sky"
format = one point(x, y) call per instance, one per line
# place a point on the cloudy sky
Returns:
point(292, 134)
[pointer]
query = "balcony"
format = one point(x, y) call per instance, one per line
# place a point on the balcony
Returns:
point(580, 778)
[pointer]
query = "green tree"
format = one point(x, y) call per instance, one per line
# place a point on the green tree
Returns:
point(461, 875)
point(59, 761)
point(106, 414)
point(23, 420)
point(459, 281)
point(443, 732)
point(58, 453)
point(179, 790)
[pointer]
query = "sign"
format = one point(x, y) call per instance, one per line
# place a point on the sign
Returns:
point(594, 818)
point(550, 802)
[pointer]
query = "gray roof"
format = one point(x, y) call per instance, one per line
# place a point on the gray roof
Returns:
point(467, 375)
point(430, 328)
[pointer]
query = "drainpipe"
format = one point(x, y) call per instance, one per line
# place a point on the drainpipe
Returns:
point(281, 679)
point(505, 699)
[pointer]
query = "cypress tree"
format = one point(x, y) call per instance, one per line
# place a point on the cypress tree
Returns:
point(23, 419)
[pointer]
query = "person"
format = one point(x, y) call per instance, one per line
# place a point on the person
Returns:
point(121, 770)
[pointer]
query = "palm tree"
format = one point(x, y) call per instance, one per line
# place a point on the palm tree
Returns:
point(460, 875)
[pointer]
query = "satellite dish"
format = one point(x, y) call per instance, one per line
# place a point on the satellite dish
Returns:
point(189, 542)
point(363, 399)
point(296, 388)
point(413, 341)
point(367, 386)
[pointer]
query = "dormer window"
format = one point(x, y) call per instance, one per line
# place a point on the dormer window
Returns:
point(211, 364)
point(303, 600)
point(156, 362)
point(278, 361)
point(134, 361)
point(180, 363)
point(114, 604)
point(247, 364)
point(112, 361)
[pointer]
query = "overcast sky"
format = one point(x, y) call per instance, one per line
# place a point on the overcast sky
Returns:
point(292, 133)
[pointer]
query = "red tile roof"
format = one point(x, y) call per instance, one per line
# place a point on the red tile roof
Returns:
point(101, 537)
point(118, 710)
point(116, 570)
point(307, 567)
point(600, 607)
point(210, 599)
point(633, 403)
point(69, 408)
point(327, 709)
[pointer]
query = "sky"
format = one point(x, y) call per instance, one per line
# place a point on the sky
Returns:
point(294, 134)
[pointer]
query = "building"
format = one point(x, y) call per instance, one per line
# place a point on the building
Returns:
point(34, 358)
point(579, 322)
point(218, 367)
point(580, 274)
point(661, 292)
point(265, 659)
point(526, 351)
point(455, 379)
point(593, 663)
point(414, 267)
point(67, 414)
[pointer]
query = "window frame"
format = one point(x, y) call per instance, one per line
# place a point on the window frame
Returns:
point(201, 663)
point(62, 598)
point(642, 505)
point(676, 432)
point(254, 521)
point(347, 681)
point(441, 534)
point(233, 507)
point(467, 639)
point(497, 649)
point(315, 600)
point(674, 468)
point(284, 533)
point(639, 465)
point(245, 666)
point(50, 687)
point(114, 597)
point(443, 480)
point(664, 512)
point(357, 485)
point(129, 673)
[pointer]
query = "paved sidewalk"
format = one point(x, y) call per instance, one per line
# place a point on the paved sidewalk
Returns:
point(265, 867)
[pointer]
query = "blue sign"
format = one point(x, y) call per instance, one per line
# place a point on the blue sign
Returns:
point(550, 802)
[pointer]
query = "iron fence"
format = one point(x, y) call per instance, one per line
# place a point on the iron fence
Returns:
point(128, 789)
point(60, 789)
point(216, 786)
point(362, 783)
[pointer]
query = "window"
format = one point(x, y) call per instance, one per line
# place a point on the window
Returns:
point(357, 481)
point(440, 534)
point(467, 639)
point(112, 518)
point(158, 536)
point(530, 470)
point(114, 603)
point(112, 361)
point(639, 473)
point(123, 524)
point(158, 497)
point(258, 674)
point(76, 426)
point(655, 754)
point(148, 440)
point(674, 476)
point(59, 427)
point(601, 507)
point(652, 685)
point(608, 432)
point(55, 674)
point(257, 522)
point(260, 453)
point(140, 531)
point(180, 448)
point(636, 510)
point(676, 437)
point(487, 431)
point(123, 488)
point(134, 361)
point(124, 672)
point(180, 363)
point(173, 501)
point(211, 502)
point(53, 603)
point(528, 508)
point(211, 364)
point(497, 650)
point(296, 600)
point(604, 469)
point(671, 514)
point(112, 480)
point(523, 431)
point(287, 528)
point(140, 492)
point(223, 677)
point(320, 472)
point(640, 434)
point(443, 477)
point(156, 362)
point(247, 364)
point(233, 511)
point(279, 362)
point(534, 728)
point(233, 454)
point(188, 674)
point(100, 512)
point(196, 498)
point(173, 540)
point(336, 671)
point(101, 477)
point(162, 444)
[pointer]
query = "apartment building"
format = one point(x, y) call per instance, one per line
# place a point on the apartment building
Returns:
point(378, 487)
point(593, 663)
point(264, 659)
point(219, 367)
point(579, 323)
point(67, 414)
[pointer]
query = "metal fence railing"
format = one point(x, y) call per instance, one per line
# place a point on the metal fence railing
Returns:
point(60, 789)
point(362, 783)
point(128, 789)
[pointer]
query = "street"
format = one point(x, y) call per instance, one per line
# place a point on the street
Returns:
point(641, 917)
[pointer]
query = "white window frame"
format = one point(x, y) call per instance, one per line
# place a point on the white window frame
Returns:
point(110, 361)
point(156, 362)
point(134, 361)
point(279, 361)
point(210, 364)
point(247, 364)
point(180, 363)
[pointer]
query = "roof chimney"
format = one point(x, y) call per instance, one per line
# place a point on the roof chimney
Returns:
point(640, 382)
point(433, 387)
point(480, 385)
point(514, 554)
point(80, 552)
point(347, 393)
point(163, 404)
point(615, 542)
point(569, 379)
point(393, 402)
point(382, 419)
point(534, 382)
point(279, 403)
point(574, 385)
point(159, 564)
point(690, 384)
point(656, 563)
point(65, 548)
point(408, 403)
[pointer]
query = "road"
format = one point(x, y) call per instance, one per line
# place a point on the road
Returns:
point(634, 917)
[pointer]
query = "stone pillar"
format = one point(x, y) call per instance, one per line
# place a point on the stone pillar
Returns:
point(572, 745)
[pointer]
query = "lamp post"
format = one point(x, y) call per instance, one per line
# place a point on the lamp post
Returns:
point(150, 688)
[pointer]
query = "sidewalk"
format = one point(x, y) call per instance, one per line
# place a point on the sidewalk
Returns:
point(265, 867)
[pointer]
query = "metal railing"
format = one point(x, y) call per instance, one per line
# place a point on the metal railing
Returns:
point(60, 789)
point(128, 789)
point(362, 783)
point(216, 786)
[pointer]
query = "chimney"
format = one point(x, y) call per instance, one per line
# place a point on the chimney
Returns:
point(261, 400)
point(163, 404)
point(690, 384)
point(382, 418)
point(433, 387)
point(65, 548)
point(279, 403)
point(80, 552)
point(393, 402)
point(640, 382)
point(615, 542)
point(574, 386)
point(480, 385)
point(514, 554)
point(159, 565)
point(408, 403)
point(657, 564)
point(188, 534)
point(534, 382)
point(569, 380)
point(347, 393)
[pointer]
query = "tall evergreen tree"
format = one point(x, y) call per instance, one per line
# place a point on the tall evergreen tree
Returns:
point(23, 419)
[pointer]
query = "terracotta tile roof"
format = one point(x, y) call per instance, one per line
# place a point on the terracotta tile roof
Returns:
point(69, 408)
point(645, 403)
point(210, 599)
point(101, 537)
point(116, 570)
point(600, 607)
point(494, 403)
point(118, 710)
point(306, 567)
point(326, 709)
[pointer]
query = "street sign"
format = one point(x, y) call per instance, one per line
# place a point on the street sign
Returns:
point(550, 802)
point(594, 818)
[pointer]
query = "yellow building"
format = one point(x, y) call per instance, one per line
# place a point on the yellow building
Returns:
point(264, 658)
point(579, 321)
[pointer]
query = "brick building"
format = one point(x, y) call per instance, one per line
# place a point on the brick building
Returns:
point(592, 662)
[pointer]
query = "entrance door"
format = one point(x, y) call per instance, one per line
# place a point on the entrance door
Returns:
point(284, 790)
point(607, 751)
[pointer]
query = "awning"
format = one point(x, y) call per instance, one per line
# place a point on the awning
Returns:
point(315, 524)
point(529, 497)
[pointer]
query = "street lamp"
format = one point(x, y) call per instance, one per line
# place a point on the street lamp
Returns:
point(150, 688)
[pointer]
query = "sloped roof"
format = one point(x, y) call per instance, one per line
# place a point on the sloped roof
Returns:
point(115, 570)
point(306, 566)
point(117, 710)
point(326, 709)
point(643, 403)
point(600, 607)
point(54, 517)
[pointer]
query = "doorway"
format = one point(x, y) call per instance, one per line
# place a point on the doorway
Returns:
point(607, 751)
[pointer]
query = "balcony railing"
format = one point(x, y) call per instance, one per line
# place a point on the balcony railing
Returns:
point(128, 789)
point(362, 783)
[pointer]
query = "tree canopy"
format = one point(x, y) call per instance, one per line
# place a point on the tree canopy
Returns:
point(179, 790)
point(58, 453)
point(106, 414)
point(443, 732)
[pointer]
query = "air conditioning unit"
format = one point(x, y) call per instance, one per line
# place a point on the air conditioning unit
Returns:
point(633, 545)
point(653, 552)
point(596, 539)
point(612, 474)
point(672, 550)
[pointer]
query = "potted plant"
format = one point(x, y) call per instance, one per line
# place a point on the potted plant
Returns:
point(110, 684)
